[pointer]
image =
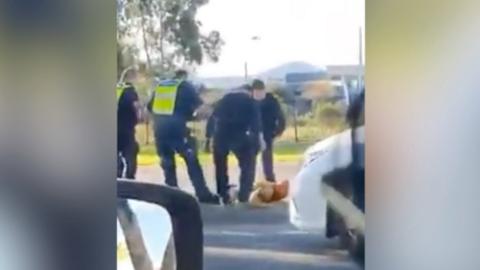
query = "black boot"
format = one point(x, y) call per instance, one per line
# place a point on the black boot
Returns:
point(209, 199)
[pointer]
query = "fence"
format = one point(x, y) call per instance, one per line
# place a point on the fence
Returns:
point(322, 120)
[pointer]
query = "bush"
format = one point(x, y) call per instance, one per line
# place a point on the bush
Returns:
point(303, 121)
point(329, 114)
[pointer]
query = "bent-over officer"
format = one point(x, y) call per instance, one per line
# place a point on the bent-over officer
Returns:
point(235, 127)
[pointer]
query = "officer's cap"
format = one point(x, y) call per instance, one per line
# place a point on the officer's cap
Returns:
point(181, 73)
point(258, 84)
point(247, 87)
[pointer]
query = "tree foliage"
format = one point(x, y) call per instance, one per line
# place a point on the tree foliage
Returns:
point(163, 34)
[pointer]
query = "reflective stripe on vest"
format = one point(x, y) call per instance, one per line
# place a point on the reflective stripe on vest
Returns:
point(119, 92)
point(165, 96)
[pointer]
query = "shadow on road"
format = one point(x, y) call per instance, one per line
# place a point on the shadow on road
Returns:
point(242, 237)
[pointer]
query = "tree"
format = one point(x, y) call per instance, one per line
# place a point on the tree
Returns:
point(164, 34)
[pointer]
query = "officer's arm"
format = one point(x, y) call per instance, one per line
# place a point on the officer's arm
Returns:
point(255, 119)
point(132, 100)
point(137, 105)
point(192, 100)
point(138, 109)
point(281, 122)
point(197, 101)
point(256, 126)
point(192, 94)
point(150, 104)
point(210, 127)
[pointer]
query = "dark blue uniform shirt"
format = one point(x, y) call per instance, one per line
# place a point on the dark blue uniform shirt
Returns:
point(126, 112)
point(235, 114)
point(273, 119)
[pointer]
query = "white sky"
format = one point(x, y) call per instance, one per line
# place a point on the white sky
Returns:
point(320, 32)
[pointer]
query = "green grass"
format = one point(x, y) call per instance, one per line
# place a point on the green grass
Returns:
point(281, 148)
point(284, 151)
point(285, 148)
point(323, 121)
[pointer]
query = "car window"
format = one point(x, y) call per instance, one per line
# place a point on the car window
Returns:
point(156, 229)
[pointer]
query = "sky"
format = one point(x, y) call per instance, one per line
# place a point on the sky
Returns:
point(320, 32)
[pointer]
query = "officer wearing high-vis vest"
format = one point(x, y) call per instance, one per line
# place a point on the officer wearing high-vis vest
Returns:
point(127, 118)
point(173, 104)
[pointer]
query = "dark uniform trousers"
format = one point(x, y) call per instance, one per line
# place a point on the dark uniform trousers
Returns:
point(267, 160)
point(172, 136)
point(127, 151)
point(245, 151)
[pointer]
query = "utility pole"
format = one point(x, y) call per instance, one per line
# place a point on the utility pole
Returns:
point(245, 67)
point(295, 116)
point(360, 60)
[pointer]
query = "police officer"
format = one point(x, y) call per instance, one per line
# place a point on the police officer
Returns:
point(173, 104)
point(235, 127)
point(128, 115)
point(273, 124)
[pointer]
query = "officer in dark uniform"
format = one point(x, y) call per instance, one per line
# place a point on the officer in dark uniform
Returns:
point(273, 124)
point(173, 105)
point(235, 127)
point(128, 114)
point(209, 130)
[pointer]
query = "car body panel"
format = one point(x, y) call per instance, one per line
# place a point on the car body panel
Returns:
point(307, 205)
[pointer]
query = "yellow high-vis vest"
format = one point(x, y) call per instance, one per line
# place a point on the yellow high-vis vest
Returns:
point(165, 97)
point(119, 92)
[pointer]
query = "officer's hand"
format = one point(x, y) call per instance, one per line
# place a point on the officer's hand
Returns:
point(203, 112)
point(207, 147)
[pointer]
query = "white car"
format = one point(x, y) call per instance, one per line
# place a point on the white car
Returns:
point(308, 205)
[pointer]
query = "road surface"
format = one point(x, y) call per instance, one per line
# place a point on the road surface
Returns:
point(153, 173)
point(250, 238)
point(241, 238)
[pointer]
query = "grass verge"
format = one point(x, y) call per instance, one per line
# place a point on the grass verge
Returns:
point(284, 152)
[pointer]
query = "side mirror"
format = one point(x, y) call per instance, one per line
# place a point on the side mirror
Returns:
point(169, 226)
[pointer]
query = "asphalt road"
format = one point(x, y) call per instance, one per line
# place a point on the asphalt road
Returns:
point(251, 238)
point(284, 170)
point(240, 237)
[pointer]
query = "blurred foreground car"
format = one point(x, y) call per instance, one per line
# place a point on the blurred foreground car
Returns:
point(157, 228)
point(327, 195)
